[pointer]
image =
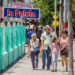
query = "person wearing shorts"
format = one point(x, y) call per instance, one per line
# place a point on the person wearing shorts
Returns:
point(64, 49)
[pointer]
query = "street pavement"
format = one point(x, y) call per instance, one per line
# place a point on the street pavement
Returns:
point(24, 67)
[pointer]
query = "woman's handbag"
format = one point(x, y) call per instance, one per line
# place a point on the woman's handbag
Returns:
point(36, 49)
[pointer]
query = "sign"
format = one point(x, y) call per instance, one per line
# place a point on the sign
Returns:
point(54, 17)
point(20, 5)
point(21, 13)
point(0, 13)
point(57, 23)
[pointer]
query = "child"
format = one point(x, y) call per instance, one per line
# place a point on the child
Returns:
point(55, 51)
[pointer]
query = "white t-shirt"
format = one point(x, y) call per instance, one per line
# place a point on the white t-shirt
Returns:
point(34, 44)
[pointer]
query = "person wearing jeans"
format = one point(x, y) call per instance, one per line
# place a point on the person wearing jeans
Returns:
point(34, 43)
point(34, 59)
point(46, 45)
point(45, 54)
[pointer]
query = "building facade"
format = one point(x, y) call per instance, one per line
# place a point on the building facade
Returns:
point(5, 3)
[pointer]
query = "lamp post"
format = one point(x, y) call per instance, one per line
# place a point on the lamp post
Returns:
point(65, 13)
point(55, 15)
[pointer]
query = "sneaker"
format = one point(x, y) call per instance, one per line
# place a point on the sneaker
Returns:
point(43, 67)
point(52, 70)
point(55, 70)
point(48, 69)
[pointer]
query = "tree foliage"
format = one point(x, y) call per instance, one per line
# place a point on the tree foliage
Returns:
point(46, 9)
point(73, 13)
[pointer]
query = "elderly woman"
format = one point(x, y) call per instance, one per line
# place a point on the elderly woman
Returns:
point(34, 51)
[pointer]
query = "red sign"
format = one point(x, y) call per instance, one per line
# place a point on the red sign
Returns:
point(21, 5)
point(0, 13)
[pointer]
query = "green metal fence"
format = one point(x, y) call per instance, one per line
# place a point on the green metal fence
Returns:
point(14, 45)
point(1, 47)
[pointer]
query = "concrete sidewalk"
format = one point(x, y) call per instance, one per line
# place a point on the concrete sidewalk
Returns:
point(24, 67)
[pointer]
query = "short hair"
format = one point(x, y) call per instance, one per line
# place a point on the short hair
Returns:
point(54, 39)
point(34, 34)
point(64, 32)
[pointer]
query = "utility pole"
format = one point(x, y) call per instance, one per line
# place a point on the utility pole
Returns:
point(61, 17)
point(55, 15)
point(65, 13)
point(70, 27)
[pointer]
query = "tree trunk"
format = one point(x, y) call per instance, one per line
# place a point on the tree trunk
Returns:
point(61, 16)
point(71, 70)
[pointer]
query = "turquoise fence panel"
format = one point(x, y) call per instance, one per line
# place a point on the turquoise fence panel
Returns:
point(1, 40)
point(18, 41)
point(1, 47)
point(14, 48)
point(4, 58)
point(8, 44)
point(12, 44)
point(24, 39)
point(17, 36)
point(22, 51)
point(24, 33)
point(12, 37)
point(21, 35)
point(7, 39)
point(4, 55)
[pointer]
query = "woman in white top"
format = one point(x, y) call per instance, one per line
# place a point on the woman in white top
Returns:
point(34, 43)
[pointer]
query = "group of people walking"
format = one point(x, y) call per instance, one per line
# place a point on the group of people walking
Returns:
point(49, 48)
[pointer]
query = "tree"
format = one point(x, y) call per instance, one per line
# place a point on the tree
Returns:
point(70, 27)
point(61, 16)
point(73, 13)
point(46, 9)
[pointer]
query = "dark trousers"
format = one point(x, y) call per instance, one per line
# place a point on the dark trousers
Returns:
point(34, 59)
point(46, 54)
